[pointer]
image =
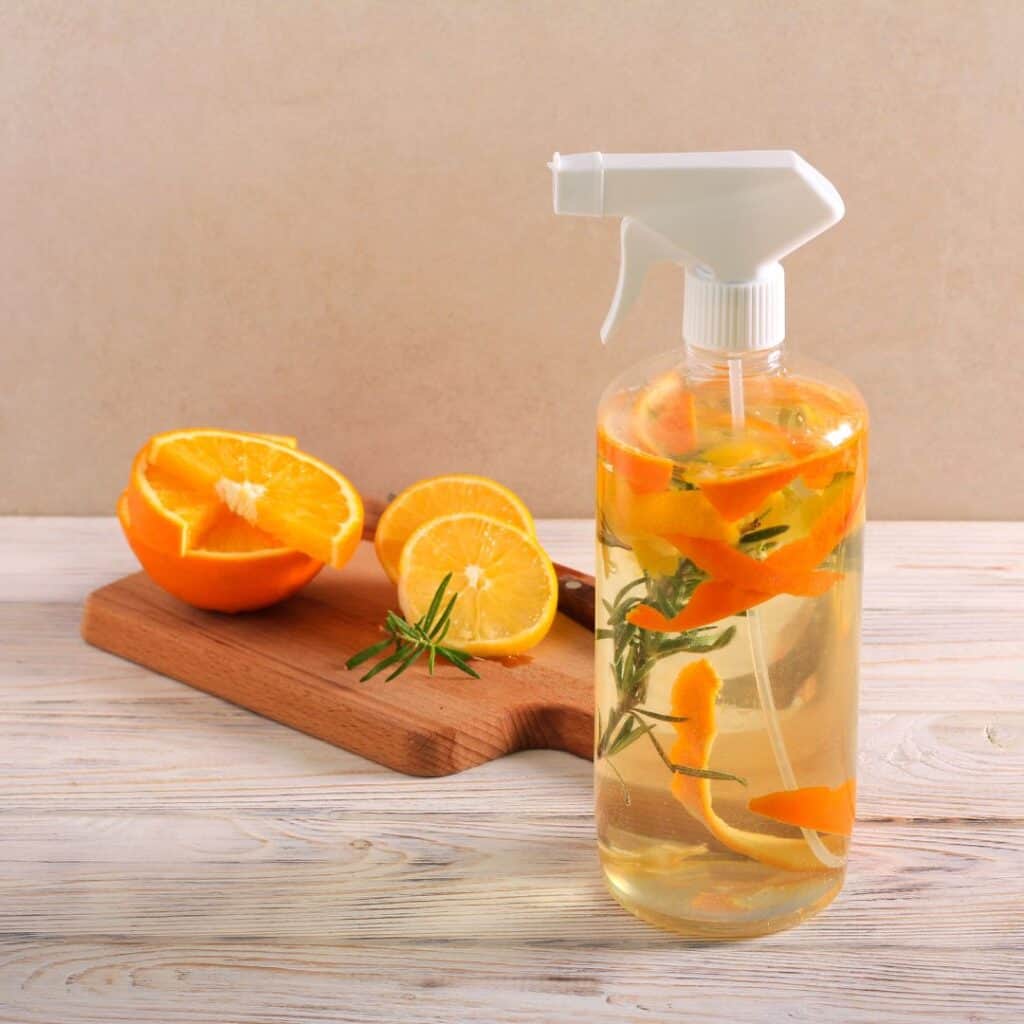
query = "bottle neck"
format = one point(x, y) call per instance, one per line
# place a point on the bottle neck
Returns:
point(711, 364)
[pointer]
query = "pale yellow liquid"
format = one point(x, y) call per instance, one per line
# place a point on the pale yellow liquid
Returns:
point(661, 861)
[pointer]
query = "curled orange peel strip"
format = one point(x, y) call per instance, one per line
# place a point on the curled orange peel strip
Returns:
point(739, 582)
point(644, 472)
point(742, 496)
point(723, 562)
point(711, 600)
point(635, 513)
point(693, 698)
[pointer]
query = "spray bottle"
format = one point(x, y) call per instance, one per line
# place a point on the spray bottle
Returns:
point(730, 506)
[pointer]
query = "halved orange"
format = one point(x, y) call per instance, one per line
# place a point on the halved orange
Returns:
point(181, 481)
point(441, 496)
point(506, 584)
point(236, 568)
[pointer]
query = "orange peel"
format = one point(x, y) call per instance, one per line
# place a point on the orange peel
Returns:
point(693, 699)
point(815, 807)
point(248, 570)
point(644, 472)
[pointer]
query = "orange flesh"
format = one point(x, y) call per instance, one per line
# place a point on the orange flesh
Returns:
point(297, 499)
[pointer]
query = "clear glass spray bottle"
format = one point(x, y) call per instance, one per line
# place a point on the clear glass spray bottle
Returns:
point(730, 507)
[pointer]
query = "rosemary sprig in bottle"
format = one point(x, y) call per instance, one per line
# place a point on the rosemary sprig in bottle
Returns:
point(636, 651)
point(412, 640)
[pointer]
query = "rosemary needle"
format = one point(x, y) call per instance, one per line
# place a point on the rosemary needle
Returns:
point(413, 639)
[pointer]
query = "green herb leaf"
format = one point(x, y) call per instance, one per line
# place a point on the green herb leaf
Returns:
point(428, 620)
point(413, 639)
point(756, 536)
point(629, 734)
point(365, 655)
point(658, 715)
point(636, 651)
point(439, 631)
point(697, 773)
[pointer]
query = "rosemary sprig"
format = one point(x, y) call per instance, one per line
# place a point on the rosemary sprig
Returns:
point(636, 651)
point(607, 537)
point(411, 640)
point(765, 533)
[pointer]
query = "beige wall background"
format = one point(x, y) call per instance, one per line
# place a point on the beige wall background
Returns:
point(333, 220)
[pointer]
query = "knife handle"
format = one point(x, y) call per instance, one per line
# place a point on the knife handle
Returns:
point(575, 589)
point(576, 595)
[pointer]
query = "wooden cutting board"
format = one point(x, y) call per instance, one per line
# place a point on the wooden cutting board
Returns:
point(288, 663)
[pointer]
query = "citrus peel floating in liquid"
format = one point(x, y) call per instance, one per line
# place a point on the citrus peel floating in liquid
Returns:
point(694, 694)
point(644, 472)
point(634, 513)
point(736, 498)
point(739, 582)
point(814, 807)
point(664, 417)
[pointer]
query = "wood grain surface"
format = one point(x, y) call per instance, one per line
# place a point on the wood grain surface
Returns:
point(288, 663)
point(167, 857)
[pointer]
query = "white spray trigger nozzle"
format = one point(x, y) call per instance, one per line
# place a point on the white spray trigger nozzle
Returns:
point(640, 247)
point(728, 218)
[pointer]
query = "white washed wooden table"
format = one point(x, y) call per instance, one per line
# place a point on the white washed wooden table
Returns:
point(166, 857)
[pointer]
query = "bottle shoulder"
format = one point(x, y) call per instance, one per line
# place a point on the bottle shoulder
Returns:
point(682, 406)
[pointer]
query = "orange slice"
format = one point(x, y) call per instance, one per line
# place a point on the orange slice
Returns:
point(441, 496)
point(506, 585)
point(182, 480)
point(238, 567)
point(816, 807)
point(693, 699)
